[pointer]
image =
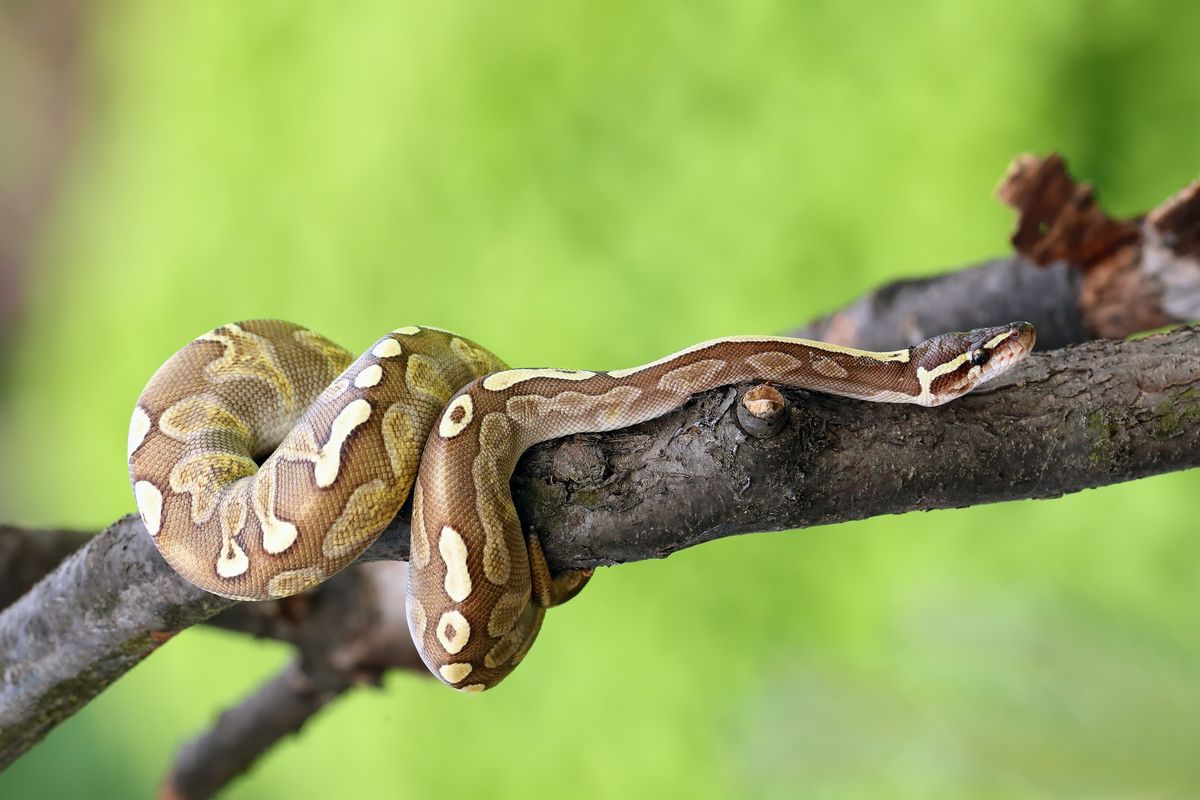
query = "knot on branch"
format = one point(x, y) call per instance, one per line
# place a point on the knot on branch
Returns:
point(762, 411)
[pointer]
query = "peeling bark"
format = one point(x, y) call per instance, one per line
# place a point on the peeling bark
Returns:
point(1077, 274)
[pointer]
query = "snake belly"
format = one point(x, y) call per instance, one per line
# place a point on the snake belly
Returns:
point(264, 458)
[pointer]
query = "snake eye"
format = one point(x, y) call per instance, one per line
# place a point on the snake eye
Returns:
point(979, 357)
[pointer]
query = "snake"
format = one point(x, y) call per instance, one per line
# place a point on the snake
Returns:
point(264, 458)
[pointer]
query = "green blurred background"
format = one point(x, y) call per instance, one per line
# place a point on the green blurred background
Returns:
point(594, 185)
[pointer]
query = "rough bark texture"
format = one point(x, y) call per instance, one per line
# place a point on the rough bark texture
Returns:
point(1086, 416)
point(27, 555)
point(105, 608)
point(1066, 420)
point(1090, 415)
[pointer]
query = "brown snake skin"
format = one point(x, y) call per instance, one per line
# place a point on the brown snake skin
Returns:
point(341, 442)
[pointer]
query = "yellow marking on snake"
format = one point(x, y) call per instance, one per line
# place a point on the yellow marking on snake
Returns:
point(898, 356)
point(773, 363)
point(201, 415)
point(456, 417)
point(336, 356)
point(233, 509)
point(828, 367)
point(388, 348)
point(608, 408)
point(453, 631)
point(368, 377)
point(149, 502)
point(480, 361)
point(248, 356)
point(505, 614)
point(294, 581)
point(367, 512)
point(504, 650)
point(424, 378)
point(139, 426)
point(416, 617)
point(233, 560)
point(493, 504)
point(329, 461)
point(418, 549)
point(474, 688)
point(499, 381)
point(454, 555)
point(407, 330)
point(926, 377)
point(453, 673)
point(204, 475)
point(402, 440)
point(995, 340)
point(697, 372)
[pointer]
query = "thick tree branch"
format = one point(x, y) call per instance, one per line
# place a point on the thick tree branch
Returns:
point(1108, 413)
point(26, 555)
point(1077, 418)
point(1090, 415)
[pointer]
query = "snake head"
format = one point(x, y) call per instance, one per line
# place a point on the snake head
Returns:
point(950, 365)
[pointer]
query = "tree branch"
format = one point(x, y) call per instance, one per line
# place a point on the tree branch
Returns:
point(1067, 420)
point(1088, 416)
point(26, 555)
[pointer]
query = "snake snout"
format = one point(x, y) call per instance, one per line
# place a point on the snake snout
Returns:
point(1026, 336)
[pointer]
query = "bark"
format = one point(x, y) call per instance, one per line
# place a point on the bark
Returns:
point(1086, 416)
point(1069, 419)
point(27, 555)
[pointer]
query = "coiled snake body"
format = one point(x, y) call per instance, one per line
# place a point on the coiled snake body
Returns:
point(342, 440)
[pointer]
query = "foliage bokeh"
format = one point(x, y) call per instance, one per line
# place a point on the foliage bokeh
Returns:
point(594, 185)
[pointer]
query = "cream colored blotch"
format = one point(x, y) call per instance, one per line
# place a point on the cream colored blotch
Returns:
point(898, 356)
point(233, 560)
point(453, 631)
point(388, 348)
point(149, 502)
point(139, 426)
point(454, 554)
point(464, 409)
point(453, 673)
point(368, 377)
point(329, 462)
point(499, 381)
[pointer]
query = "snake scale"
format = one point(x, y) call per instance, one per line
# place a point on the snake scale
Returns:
point(264, 458)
